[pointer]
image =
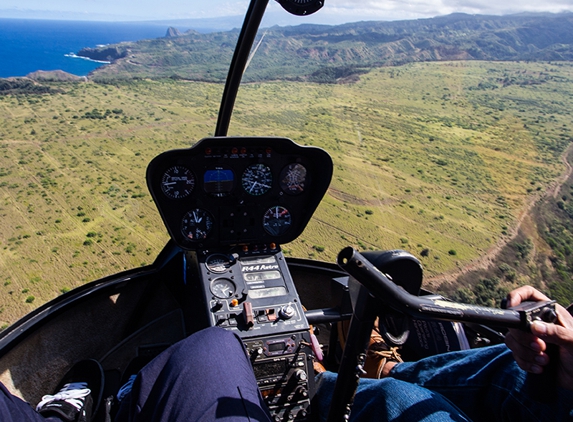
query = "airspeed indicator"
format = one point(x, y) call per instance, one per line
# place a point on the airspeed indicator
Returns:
point(177, 182)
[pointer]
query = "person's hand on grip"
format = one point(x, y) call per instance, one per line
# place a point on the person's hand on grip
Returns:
point(530, 349)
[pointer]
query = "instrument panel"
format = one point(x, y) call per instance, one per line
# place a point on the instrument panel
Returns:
point(238, 190)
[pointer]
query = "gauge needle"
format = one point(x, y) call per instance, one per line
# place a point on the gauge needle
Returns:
point(253, 186)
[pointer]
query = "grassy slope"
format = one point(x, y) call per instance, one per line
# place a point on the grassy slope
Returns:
point(423, 160)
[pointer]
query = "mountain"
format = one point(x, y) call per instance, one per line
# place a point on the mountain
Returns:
point(322, 53)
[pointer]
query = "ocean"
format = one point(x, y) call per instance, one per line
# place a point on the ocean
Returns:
point(30, 45)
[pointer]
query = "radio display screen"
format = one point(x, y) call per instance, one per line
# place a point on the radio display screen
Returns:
point(277, 347)
point(269, 369)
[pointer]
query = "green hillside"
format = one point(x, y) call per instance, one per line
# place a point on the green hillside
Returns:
point(323, 53)
point(436, 158)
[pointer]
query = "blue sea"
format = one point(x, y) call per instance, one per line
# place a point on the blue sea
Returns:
point(30, 45)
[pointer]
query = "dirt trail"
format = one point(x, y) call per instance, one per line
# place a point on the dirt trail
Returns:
point(483, 262)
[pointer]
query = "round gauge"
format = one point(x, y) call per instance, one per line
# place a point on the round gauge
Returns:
point(219, 263)
point(276, 221)
point(196, 224)
point(223, 288)
point(301, 7)
point(177, 182)
point(293, 179)
point(257, 179)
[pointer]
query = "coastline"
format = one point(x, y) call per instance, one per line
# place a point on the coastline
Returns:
point(75, 56)
point(31, 45)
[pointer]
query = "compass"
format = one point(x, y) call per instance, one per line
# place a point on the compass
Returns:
point(219, 263)
point(301, 7)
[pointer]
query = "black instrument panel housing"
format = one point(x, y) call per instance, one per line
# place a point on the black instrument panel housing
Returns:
point(237, 215)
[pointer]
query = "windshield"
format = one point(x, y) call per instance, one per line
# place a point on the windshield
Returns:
point(449, 136)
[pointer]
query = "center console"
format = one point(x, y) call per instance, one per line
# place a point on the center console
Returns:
point(251, 292)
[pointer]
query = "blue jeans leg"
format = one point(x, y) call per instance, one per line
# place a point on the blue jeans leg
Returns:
point(390, 400)
point(206, 377)
point(487, 385)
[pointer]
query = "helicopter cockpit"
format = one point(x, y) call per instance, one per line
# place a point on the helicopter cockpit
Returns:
point(229, 204)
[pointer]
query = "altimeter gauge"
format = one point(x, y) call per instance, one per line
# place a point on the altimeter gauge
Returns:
point(177, 182)
point(277, 220)
point(293, 179)
point(196, 224)
point(257, 179)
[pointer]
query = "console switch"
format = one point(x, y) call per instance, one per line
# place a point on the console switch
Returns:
point(248, 314)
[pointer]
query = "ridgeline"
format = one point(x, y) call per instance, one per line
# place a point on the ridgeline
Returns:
point(328, 54)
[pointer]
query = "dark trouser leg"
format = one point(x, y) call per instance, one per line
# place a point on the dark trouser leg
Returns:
point(205, 377)
point(14, 409)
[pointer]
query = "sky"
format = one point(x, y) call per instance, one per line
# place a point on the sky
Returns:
point(333, 12)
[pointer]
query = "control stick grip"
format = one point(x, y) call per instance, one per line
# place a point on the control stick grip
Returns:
point(420, 307)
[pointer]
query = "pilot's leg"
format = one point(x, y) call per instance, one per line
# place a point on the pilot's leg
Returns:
point(488, 385)
point(14, 409)
point(389, 399)
point(205, 377)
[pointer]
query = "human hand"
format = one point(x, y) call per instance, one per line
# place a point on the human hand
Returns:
point(530, 349)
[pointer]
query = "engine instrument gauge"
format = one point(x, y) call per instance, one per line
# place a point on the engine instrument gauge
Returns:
point(196, 224)
point(293, 179)
point(223, 288)
point(177, 182)
point(257, 179)
point(219, 263)
point(277, 220)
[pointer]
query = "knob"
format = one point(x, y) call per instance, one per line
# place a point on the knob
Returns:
point(302, 414)
point(301, 392)
point(300, 375)
point(257, 352)
point(287, 312)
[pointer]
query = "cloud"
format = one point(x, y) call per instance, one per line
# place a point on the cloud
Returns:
point(334, 11)
point(412, 9)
